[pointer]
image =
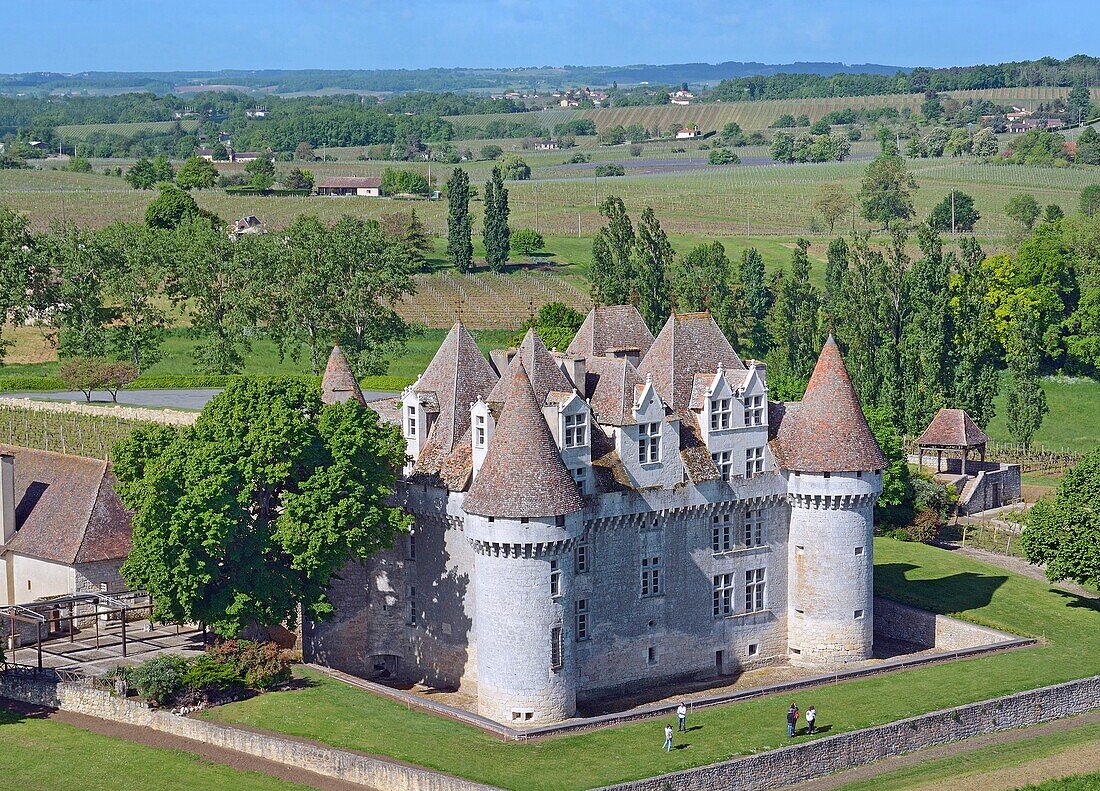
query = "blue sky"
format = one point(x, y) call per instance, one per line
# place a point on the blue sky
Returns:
point(122, 35)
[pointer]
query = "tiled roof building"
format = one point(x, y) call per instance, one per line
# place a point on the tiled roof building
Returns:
point(624, 512)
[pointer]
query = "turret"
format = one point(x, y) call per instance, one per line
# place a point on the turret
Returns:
point(833, 467)
point(523, 516)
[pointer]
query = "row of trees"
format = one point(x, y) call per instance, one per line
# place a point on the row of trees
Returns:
point(109, 293)
point(918, 333)
point(497, 236)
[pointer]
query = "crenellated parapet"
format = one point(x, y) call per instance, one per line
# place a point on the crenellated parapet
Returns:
point(498, 549)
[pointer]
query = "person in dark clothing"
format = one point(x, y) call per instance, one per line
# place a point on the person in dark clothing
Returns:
point(792, 720)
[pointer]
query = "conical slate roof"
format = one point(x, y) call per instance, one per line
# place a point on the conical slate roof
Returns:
point(688, 344)
point(339, 383)
point(457, 376)
point(523, 474)
point(541, 368)
point(611, 328)
point(953, 428)
point(826, 431)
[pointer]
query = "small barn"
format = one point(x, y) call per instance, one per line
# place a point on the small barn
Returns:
point(370, 186)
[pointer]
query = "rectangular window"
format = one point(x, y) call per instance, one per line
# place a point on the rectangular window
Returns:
point(411, 616)
point(576, 429)
point(556, 647)
point(649, 443)
point(582, 619)
point(859, 614)
point(555, 579)
point(723, 595)
point(580, 555)
point(651, 576)
point(410, 422)
point(723, 460)
point(754, 462)
point(651, 655)
point(754, 410)
point(754, 649)
point(411, 547)
point(754, 528)
point(859, 550)
point(754, 590)
point(721, 536)
point(721, 410)
point(580, 477)
point(479, 431)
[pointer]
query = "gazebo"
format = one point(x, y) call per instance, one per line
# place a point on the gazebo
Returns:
point(951, 431)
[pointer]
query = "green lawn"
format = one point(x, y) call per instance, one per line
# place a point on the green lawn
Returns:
point(1089, 782)
point(342, 716)
point(1074, 419)
point(988, 759)
point(47, 755)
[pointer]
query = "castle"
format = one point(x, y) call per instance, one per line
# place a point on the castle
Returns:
point(629, 512)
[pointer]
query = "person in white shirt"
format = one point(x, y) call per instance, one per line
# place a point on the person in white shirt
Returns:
point(682, 716)
point(668, 738)
point(811, 720)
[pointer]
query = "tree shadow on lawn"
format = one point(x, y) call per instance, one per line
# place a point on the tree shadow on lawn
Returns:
point(1077, 600)
point(960, 592)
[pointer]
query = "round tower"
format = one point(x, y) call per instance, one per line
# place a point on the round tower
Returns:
point(833, 467)
point(522, 517)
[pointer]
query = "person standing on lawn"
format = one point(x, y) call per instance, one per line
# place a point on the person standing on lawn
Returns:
point(682, 716)
point(668, 738)
point(811, 720)
point(792, 720)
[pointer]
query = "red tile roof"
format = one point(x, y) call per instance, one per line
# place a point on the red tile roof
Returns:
point(339, 383)
point(610, 384)
point(611, 328)
point(688, 344)
point(523, 474)
point(67, 510)
point(826, 431)
point(953, 428)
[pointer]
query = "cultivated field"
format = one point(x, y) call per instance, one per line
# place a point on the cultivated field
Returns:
point(755, 115)
point(76, 132)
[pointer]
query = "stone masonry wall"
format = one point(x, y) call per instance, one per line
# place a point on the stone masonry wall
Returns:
point(847, 750)
point(351, 767)
point(909, 624)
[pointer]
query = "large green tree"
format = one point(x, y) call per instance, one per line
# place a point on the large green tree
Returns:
point(495, 231)
point(197, 173)
point(794, 322)
point(1026, 401)
point(1063, 533)
point(460, 246)
point(18, 260)
point(650, 260)
point(611, 272)
point(135, 260)
point(248, 514)
point(973, 346)
point(75, 291)
point(955, 212)
point(756, 300)
point(886, 194)
point(925, 334)
point(704, 280)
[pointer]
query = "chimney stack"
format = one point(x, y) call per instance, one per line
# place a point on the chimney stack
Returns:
point(7, 498)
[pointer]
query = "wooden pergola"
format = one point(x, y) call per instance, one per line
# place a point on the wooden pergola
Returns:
point(951, 431)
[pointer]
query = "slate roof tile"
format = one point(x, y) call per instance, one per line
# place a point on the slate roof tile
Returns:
point(953, 428)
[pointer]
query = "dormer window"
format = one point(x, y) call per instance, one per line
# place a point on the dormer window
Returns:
point(723, 460)
point(754, 410)
point(479, 431)
point(576, 429)
point(410, 422)
point(721, 412)
point(649, 443)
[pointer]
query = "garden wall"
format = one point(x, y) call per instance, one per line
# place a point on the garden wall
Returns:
point(912, 625)
point(352, 767)
point(832, 754)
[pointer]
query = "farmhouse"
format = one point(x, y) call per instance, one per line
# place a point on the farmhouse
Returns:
point(351, 185)
point(248, 226)
point(548, 144)
point(626, 513)
point(688, 132)
point(63, 529)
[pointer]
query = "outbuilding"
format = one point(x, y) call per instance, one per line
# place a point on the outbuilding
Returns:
point(370, 186)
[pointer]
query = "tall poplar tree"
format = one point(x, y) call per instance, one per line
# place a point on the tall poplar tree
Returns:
point(973, 345)
point(651, 260)
point(795, 321)
point(460, 246)
point(1027, 403)
point(925, 333)
point(836, 270)
point(611, 273)
point(495, 230)
point(756, 300)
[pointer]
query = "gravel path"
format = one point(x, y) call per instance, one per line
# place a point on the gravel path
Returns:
point(152, 738)
point(194, 398)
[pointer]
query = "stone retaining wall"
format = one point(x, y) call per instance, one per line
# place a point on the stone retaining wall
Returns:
point(832, 754)
point(921, 627)
point(348, 766)
point(170, 416)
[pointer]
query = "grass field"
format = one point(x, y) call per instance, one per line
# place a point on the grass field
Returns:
point(917, 574)
point(973, 765)
point(1074, 419)
point(53, 756)
point(755, 115)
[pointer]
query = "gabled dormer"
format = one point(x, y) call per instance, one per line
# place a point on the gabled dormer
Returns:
point(570, 420)
point(752, 394)
point(714, 405)
point(419, 408)
point(650, 447)
point(482, 426)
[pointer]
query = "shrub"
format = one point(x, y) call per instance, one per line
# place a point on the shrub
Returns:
point(205, 673)
point(723, 156)
point(926, 527)
point(159, 679)
point(525, 241)
point(491, 152)
point(19, 384)
point(261, 665)
point(636, 150)
point(610, 169)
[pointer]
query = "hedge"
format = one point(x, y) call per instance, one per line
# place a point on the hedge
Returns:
point(188, 381)
point(30, 384)
point(273, 192)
